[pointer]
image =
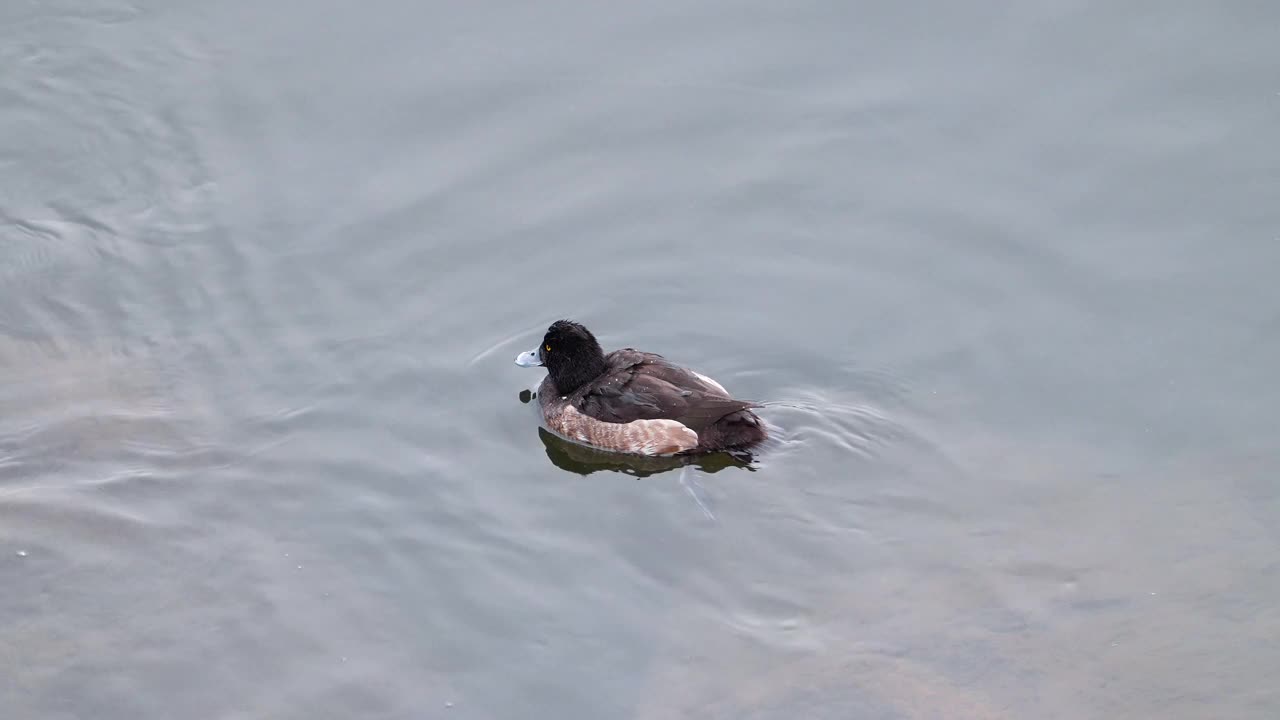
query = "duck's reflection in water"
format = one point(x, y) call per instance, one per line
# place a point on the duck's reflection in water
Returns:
point(585, 460)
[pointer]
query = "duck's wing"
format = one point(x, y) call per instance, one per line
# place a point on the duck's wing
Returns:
point(651, 390)
point(635, 361)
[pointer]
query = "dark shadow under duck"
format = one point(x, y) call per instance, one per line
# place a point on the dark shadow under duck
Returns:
point(634, 402)
point(585, 460)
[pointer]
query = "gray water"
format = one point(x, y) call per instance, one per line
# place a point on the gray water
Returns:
point(1006, 274)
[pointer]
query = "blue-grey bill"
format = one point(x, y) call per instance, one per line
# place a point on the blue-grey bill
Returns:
point(528, 359)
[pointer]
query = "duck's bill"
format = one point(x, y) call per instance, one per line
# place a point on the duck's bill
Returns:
point(529, 359)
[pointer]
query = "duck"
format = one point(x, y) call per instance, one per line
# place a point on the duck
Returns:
point(635, 402)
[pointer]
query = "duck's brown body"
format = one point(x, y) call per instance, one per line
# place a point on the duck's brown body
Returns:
point(643, 404)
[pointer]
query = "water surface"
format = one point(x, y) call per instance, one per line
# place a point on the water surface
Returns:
point(1005, 273)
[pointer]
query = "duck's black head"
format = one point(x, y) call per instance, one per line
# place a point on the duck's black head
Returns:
point(571, 354)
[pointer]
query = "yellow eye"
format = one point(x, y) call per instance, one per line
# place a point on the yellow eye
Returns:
point(547, 348)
